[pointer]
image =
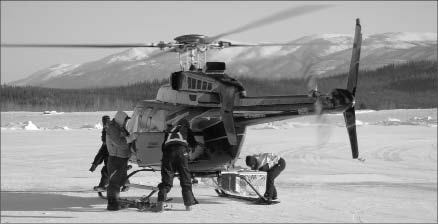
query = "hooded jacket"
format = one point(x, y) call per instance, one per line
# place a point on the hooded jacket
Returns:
point(116, 137)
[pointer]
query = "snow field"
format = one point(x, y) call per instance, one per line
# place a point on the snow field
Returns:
point(45, 175)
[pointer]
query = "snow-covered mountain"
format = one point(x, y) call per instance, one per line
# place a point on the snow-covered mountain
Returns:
point(322, 54)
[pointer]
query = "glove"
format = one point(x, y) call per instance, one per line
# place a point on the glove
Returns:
point(93, 167)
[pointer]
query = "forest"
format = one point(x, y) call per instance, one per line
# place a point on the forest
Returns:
point(409, 85)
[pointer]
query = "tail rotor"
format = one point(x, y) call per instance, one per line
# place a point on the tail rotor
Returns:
point(344, 99)
point(349, 113)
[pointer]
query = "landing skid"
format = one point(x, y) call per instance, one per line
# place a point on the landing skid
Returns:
point(260, 201)
point(142, 203)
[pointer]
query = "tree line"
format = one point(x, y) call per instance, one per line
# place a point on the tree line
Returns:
point(408, 85)
point(32, 98)
point(403, 86)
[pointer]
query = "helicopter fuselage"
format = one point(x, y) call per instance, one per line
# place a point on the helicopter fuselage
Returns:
point(197, 96)
point(219, 111)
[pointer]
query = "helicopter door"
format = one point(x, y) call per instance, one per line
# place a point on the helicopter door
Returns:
point(148, 125)
point(148, 148)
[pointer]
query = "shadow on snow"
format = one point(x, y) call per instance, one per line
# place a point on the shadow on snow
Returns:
point(38, 201)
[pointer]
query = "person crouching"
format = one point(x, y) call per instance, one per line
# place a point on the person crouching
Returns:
point(119, 153)
point(273, 165)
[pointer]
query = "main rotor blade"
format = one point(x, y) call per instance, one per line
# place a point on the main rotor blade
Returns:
point(271, 44)
point(291, 12)
point(80, 45)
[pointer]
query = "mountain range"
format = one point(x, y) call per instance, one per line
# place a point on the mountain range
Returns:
point(315, 55)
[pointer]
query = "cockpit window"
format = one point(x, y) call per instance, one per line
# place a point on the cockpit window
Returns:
point(198, 84)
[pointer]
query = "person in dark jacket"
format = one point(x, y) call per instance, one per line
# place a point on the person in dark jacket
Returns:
point(102, 156)
point(175, 159)
point(270, 163)
point(119, 153)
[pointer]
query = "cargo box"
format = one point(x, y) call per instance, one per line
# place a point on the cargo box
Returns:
point(232, 183)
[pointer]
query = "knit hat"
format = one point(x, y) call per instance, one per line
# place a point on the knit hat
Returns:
point(251, 161)
point(120, 117)
point(105, 119)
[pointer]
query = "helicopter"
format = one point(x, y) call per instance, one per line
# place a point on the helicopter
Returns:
point(216, 104)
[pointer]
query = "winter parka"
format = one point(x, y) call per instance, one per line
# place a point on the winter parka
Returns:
point(269, 159)
point(116, 141)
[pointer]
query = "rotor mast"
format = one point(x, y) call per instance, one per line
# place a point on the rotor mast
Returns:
point(192, 50)
point(192, 58)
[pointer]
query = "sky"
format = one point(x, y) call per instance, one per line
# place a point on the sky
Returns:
point(153, 21)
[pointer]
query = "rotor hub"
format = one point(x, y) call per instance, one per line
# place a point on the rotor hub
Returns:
point(191, 39)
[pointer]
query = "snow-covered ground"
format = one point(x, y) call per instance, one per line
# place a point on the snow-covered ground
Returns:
point(45, 178)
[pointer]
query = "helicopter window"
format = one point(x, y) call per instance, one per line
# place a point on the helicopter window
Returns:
point(158, 122)
point(209, 87)
point(193, 83)
point(132, 124)
point(204, 85)
point(189, 82)
point(145, 120)
point(198, 84)
point(152, 120)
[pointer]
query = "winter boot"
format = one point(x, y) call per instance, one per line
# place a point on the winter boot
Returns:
point(113, 204)
point(268, 197)
point(159, 207)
